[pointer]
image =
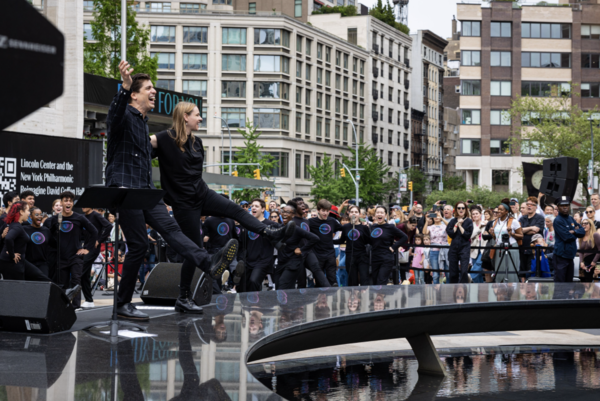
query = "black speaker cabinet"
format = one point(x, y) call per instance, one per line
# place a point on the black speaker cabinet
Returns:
point(557, 187)
point(562, 167)
point(162, 286)
point(34, 307)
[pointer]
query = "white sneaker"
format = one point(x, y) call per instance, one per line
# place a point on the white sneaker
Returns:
point(87, 305)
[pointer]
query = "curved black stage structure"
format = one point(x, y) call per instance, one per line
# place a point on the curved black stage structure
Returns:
point(206, 357)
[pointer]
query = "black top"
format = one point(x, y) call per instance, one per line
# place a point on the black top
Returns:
point(536, 221)
point(458, 238)
point(128, 160)
point(37, 250)
point(325, 230)
point(15, 242)
point(382, 238)
point(259, 250)
point(70, 234)
point(487, 229)
point(355, 237)
point(420, 222)
point(219, 230)
point(102, 225)
point(181, 172)
point(303, 239)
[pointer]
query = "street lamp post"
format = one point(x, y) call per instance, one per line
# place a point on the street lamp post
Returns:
point(356, 151)
point(123, 29)
point(230, 145)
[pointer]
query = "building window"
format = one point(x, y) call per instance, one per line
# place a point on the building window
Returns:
point(319, 127)
point(162, 34)
point(471, 28)
point(327, 78)
point(234, 36)
point(271, 64)
point(298, 123)
point(471, 58)
point(263, 36)
point(500, 29)
point(298, 172)
point(471, 117)
point(338, 81)
point(166, 61)
point(87, 32)
point(191, 8)
point(353, 36)
point(234, 117)
point(168, 84)
point(195, 61)
point(545, 89)
point(345, 84)
point(499, 147)
point(233, 89)
point(252, 8)
point(308, 96)
point(362, 111)
point(271, 118)
point(297, 8)
point(362, 89)
point(158, 7)
point(530, 148)
point(193, 34)
point(546, 31)
point(590, 90)
point(227, 2)
point(337, 132)
point(500, 59)
point(319, 100)
point(471, 146)
point(319, 75)
point(307, 125)
point(308, 46)
point(298, 94)
point(281, 164)
point(345, 61)
point(327, 129)
point(298, 69)
point(471, 88)
point(338, 58)
point(499, 117)
point(233, 62)
point(500, 180)
point(590, 60)
point(590, 31)
point(306, 166)
point(196, 88)
point(362, 67)
point(307, 77)
point(546, 60)
point(271, 90)
point(298, 43)
point(500, 88)
point(319, 51)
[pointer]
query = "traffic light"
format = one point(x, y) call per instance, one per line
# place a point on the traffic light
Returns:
point(343, 172)
point(235, 173)
point(410, 185)
point(257, 174)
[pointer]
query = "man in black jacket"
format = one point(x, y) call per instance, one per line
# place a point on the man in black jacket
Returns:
point(532, 223)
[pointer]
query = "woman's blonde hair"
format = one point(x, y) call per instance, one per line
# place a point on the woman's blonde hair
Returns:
point(180, 134)
point(589, 236)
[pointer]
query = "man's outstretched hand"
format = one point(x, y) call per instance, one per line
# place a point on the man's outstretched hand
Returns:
point(126, 70)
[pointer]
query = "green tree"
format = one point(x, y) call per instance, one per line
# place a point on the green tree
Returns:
point(346, 11)
point(554, 127)
point(454, 183)
point(479, 195)
point(103, 54)
point(325, 182)
point(251, 153)
point(386, 15)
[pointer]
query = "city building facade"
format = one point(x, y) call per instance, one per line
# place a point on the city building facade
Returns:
point(510, 49)
point(427, 94)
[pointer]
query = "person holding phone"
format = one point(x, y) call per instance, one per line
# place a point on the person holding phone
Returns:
point(438, 257)
point(588, 267)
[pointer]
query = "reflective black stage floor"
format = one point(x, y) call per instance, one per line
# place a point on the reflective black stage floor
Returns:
point(205, 358)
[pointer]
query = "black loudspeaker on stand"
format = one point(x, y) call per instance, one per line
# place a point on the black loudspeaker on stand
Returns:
point(118, 199)
point(560, 178)
point(162, 286)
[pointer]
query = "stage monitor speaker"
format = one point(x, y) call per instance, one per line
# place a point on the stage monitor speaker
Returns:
point(562, 167)
point(34, 307)
point(162, 286)
point(557, 187)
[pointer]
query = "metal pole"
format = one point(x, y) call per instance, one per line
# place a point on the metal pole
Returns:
point(592, 159)
point(123, 29)
point(230, 143)
point(356, 151)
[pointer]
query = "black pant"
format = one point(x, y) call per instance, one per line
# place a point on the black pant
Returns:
point(380, 271)
point(43, 268)
point(86, 283)
point(255, 275)
point(21, 271)
point(328, 266)
point(358, 268)
point(312, 264)
point(133, 223)
point(277, 270)
point(525, 262)
point(290, 270)
point(70, 276)
point(564, 269)
point(458, 253)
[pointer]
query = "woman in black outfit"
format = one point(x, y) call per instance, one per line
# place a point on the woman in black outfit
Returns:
point(290, 253)
point(383, 246)
point(356, 237)
point(181, 157)
point(37, 249)
point(459, 229)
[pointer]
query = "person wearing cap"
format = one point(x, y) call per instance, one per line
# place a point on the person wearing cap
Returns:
point(565, 248)
point(244, 205)
point(531, 224)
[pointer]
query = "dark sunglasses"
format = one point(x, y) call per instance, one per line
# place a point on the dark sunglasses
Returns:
point(460, 208)
point(589, 211)
point(585, 224)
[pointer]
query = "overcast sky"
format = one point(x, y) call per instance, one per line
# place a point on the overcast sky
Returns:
point(435, 15)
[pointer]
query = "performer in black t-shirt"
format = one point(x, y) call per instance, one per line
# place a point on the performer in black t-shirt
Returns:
point(219, 232)
point(325, 226)
point(38, 247)
point(383, 246)
point(356, 237)
point(104, 229)
point(70, 232)
point(181, 156)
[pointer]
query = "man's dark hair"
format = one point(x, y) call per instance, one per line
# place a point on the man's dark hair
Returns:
point(25, 194)
point(260, 201)
point(8, 198)
point(298, 199)
point(138, 82)
point(413, 220)
point(323, 204)
point(67, 195)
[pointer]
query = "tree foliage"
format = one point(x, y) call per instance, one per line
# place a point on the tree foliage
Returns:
point(479, 195)
point(251, 153)
point(386, 14)
point(325, 183)
point(102, 52)
point(555, 127)
point(454, 183)
point(346, 11)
